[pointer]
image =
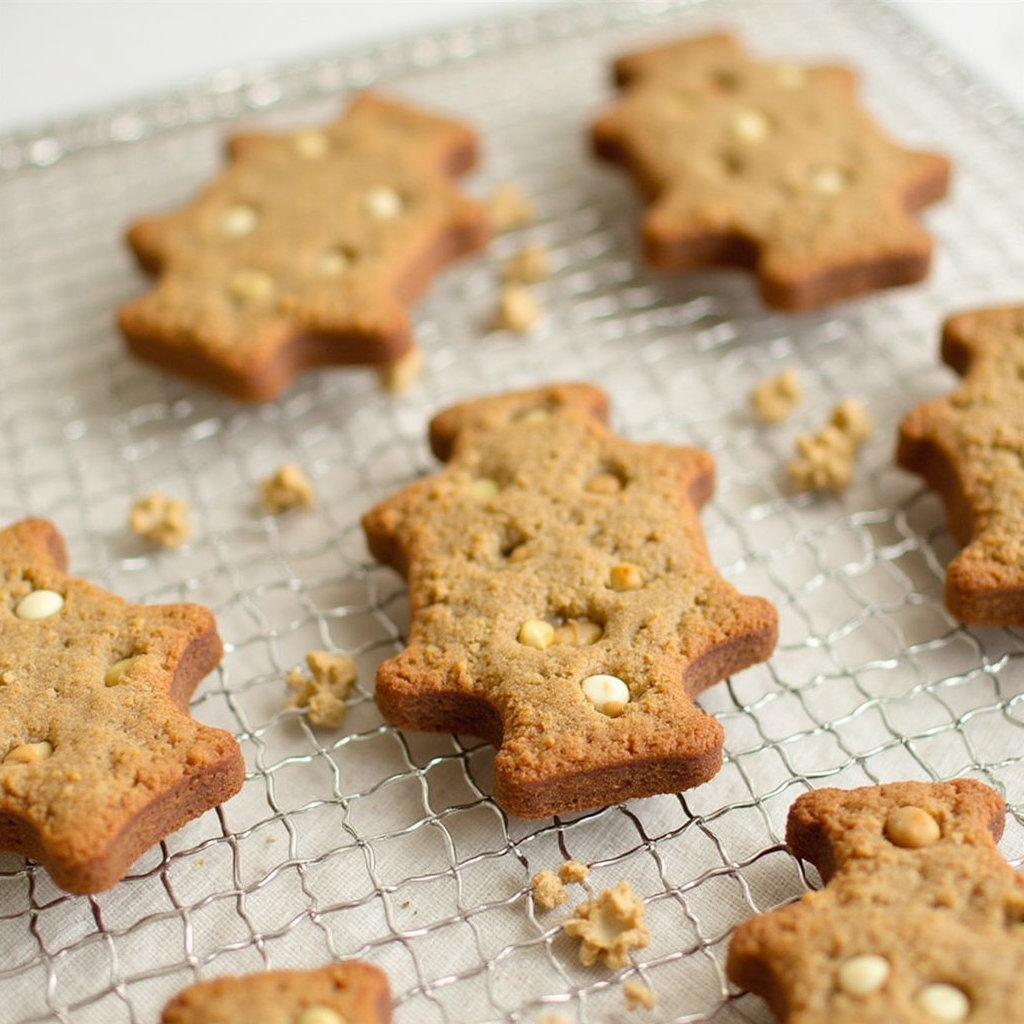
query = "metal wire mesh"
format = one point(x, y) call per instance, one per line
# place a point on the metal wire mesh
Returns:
point(376, 843)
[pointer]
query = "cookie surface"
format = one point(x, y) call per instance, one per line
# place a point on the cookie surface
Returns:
point(921, 919)
point(768, 166)
point(563, 604)
point(306, 250)
point(969, 446)
point(99, 758)
point(348, 993)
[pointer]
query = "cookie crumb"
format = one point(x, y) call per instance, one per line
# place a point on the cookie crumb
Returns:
point(323, 692)
point(573, 871)
point(159, 519)
point(774, 398)
point(509, 207)
point(529, 264)
point(287, 489)
point(403, 372)
point(553, 1018)
point(609, 926)
point(824, 460)
point(548, 891)
point(638, 995)
point(518, 309)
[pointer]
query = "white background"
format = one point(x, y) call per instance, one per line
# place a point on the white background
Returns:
point(60, 58)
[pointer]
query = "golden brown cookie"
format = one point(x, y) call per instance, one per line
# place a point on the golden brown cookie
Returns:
point(563, 604)
point(769, 166)
point(348, 993)
point(99, 758)
point(921, 920)
point(970, 448)
point(306, 250)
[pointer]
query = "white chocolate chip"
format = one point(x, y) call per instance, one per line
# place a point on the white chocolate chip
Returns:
point(383, 203)
point(252, 285)
point(333, 263)
point(943, 1002)
point(911, 828)
point(29, 753)
point(400, 374)
point(829, 181)
point(608, 694)
point(320, 1015)
point(484, 488)
point(238, 221)
point(749, 125)
point(536, 633)
point(310, 144)
point(625, 576)
point(115, 674)
point(861, 975)
point(39, 604)
point(790, 76)
point(535, 416)
point(578, 633)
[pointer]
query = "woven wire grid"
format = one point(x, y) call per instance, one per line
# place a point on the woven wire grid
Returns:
point(371, 842)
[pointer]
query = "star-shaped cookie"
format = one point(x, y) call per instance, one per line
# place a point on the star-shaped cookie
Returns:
point(306, 250)
point(99, 758)
point(563, 603)
point(346, 993)
point(769, 166)
point(921, 920)
point(970, 448)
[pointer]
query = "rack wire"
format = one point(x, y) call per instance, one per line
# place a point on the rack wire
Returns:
point(376, 843)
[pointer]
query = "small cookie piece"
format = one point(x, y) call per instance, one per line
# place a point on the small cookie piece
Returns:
point(773, 398)
point(286, 489)
point(324, 690)
point(609, 927)
point(345, 993)
point(511, 536)
point(970, 448)
point(774, 168)
point(638, 995)
point(509, 207)
point(306, 250)
point(573, 871)
point(824, 460)
point(518, 309)
point(99, 758)
point(529, 264)
point(920, 921)
point(160, 520)
point(548, 890)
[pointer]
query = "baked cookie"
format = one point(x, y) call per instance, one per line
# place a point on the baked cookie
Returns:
point(99, 758)
point(920, 921)
point(970, 448)
point(769, 166)
point(563, 604)
point(348, 993)
point(306, 250)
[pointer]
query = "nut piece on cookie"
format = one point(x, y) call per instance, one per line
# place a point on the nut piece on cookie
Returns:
point(307, 250)
point(744, 165)
point(324, 690)
point(609, 926)
point(160, 520)
point(599, 707)
point(969, 446)
point(341, 993)
point(920, 920)
point(99, 758)
point(286, 489)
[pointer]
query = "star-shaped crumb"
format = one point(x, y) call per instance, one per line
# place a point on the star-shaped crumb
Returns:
point(609, 926)
point(970, 448)
point(920, 921)
point(768, 166)
point(99, 758)
point(563, 603)
point(306, 250)
point(342, 993)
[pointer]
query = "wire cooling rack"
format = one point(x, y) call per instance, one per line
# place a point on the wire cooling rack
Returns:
point(375, 843)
